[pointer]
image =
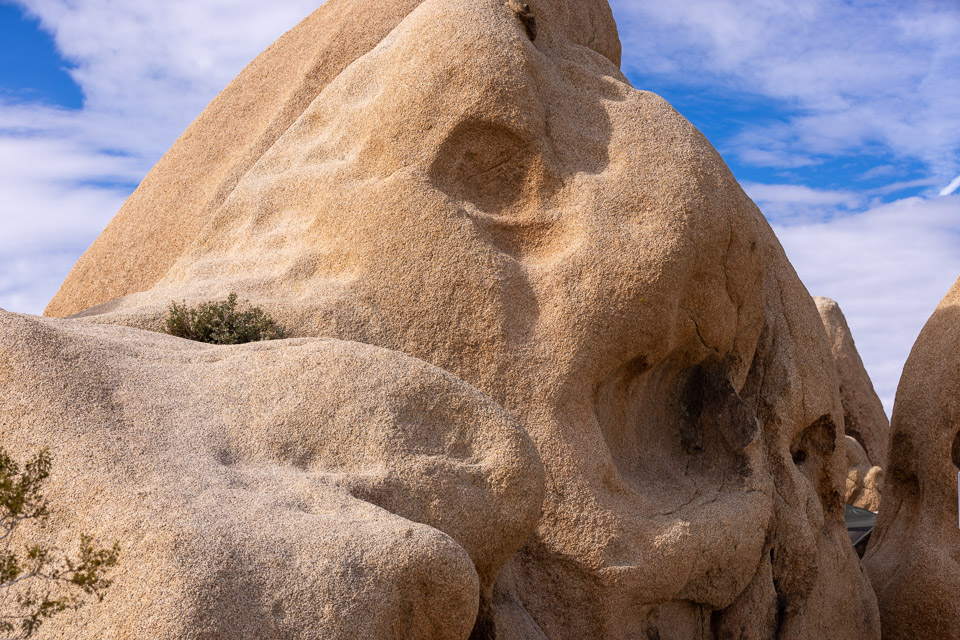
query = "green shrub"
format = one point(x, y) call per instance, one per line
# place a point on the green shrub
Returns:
point(38, 582)
point(221, 323)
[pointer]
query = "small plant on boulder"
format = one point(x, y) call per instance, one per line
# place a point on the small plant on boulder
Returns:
point(221, 323)
point(38, 582)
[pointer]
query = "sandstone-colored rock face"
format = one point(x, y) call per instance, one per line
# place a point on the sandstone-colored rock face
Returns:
point(914, 553)
point(307, 488)
point(863, 415)
point(181, 194)
point(864, 480)
point(515, 214)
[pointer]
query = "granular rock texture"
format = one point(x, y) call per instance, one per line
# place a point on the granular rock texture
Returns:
point(914, 553)
point(307, 488)
point(513, 212)
point(865, 423)
point(180, 195)
point(863, 479)
point(863, 416)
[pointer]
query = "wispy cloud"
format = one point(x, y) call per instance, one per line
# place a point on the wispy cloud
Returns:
point(849, 74)
point(903, 185)
point(789, 202)
point(58, 194)
point(950, 188)
point(146, 70)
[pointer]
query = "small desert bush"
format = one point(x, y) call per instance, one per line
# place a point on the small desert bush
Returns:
point(221, 323)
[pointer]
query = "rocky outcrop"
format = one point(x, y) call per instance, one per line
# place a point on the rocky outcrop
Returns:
point(576, 264)
point(863, 416)
point(863, 479)
point(299, 489)
point(914, 553)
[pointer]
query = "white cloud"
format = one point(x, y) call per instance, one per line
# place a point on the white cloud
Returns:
point(886, 73)
point(881, 171)
point(887, 267)
point(56, 200)
point(788, 202)
point(795, 203)
point(146, 70)
point(903, 185)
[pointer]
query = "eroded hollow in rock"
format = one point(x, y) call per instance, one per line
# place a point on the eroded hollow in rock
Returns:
point(684, 430)
point(818, 439)
point(485, 164)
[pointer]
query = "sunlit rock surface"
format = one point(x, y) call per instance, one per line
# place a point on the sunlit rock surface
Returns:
point(630, 420)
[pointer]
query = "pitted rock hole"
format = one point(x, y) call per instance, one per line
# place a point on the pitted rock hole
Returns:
point(955, 452)
point(483, 163)
point(525, 16)
point(817, 441)
point(811, 452)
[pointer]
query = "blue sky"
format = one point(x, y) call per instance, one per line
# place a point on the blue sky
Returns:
point(31, 70)
point(840, 118)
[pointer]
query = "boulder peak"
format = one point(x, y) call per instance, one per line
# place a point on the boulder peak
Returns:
point(864, 418)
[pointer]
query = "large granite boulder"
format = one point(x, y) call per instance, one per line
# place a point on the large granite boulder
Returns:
point(427, 179)
point(307, 488)
point(864, 419)
point(914, 553)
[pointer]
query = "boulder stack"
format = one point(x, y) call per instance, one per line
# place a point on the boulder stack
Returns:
point(864, 480)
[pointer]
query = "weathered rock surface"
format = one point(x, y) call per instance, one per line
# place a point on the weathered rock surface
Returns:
point(865, 422)
point(307, 488)
point(514, 213)
point(863, 416)
point(864, 480)
point(181, 194)
point(914, 553)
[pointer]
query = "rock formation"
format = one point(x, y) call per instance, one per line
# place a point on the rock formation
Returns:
point(864, 480)
point(865, 423)
point(423, 182)
point(309, 488)
point(914, 553)
point(863, 416)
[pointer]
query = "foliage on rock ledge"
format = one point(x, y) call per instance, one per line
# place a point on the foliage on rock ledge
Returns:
point(221, 323)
